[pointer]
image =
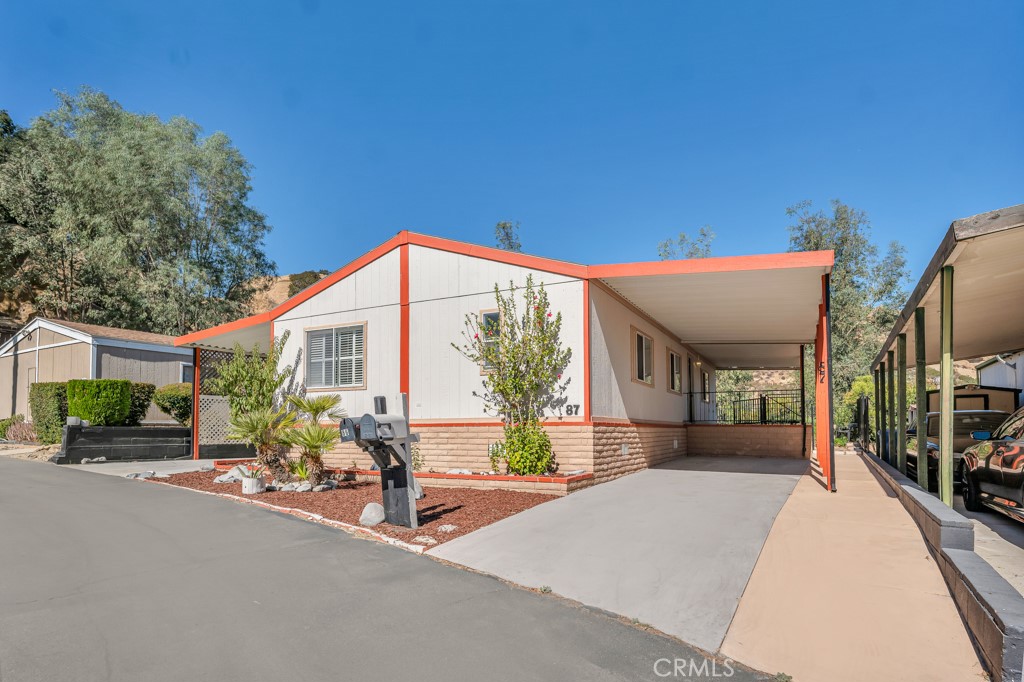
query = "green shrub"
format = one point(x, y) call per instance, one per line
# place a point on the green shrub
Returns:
point(526, 449)
point(141, 399)
point(6, 424)
point(49, 403)
point(102, 402)
point(176, 400)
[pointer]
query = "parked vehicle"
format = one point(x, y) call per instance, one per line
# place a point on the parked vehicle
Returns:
point(994, 469)
point(964, 423)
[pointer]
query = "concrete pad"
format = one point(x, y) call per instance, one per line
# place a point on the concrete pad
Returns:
point(845, 589)
point(999, 540)
point(161, 466)
point(671, 546)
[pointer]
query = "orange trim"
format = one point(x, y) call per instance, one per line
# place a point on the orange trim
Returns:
point(586, 350)
point(196, 353)
point(404, 343)
point(772, 261)
point(487, 253)
point(242, 323)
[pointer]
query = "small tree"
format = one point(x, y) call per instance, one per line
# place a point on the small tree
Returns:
point(312, 438)
point(250, 380)
point(267, 430)
point(524, 362)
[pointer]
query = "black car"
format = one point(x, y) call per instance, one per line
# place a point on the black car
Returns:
point(965, 422)
point(994, 469)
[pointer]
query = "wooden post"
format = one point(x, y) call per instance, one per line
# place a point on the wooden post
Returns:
point(921, 371)
point(878, 412)
point(901, 404)
point(946, 389)
point(196, 369)
point(883, 419)
point(890, 405)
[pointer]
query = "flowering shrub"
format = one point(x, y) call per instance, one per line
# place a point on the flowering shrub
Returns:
point(523, 359)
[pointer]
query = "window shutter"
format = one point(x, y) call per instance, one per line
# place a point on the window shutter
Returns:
point(320, 366)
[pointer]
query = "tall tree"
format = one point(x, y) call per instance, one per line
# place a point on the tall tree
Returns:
point(867, 290)
point(123, 219)
point(506, 234)
point(685, 246)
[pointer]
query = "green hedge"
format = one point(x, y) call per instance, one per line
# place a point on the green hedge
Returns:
point(142, 398)
point(49, 403)
point(102, 402)
point(6, 424)
point(176, 400)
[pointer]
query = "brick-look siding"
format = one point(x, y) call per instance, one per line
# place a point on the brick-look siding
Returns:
point(648, 445)
point(465, 447)
point(773, 440)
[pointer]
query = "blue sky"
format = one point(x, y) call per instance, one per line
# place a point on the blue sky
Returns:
point(602, 127)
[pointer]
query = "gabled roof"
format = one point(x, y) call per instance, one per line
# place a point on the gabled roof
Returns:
point(90, 332)
point(621, 276)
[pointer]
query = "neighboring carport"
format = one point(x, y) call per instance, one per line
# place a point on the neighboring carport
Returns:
point(967, 304)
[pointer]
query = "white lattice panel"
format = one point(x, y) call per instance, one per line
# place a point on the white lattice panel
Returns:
point(213, 420)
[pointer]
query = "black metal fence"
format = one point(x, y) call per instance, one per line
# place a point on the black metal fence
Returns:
point(776, 406)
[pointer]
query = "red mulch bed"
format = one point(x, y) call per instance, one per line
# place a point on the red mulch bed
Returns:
point(466, 508)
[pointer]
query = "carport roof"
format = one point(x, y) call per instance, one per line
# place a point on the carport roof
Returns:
point(744, 312)
point(987, 255)
point(748, 312)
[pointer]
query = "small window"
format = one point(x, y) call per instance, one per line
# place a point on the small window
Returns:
point(643, 358)
point(675, 372)
point(705, 387)
point(335, 358)
point(490, 327)
point(187, 373)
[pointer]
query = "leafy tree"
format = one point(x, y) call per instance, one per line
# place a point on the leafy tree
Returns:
point(685, 246)
point(267, 430)
point(506, 234)
point(118, 218)
point(524, 363)
point(867, 290)
point(304, 280)
point(252, 381)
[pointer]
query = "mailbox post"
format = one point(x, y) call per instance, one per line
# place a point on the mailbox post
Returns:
point(386, 437)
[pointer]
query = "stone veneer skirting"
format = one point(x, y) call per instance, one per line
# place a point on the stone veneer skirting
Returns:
point(608, 449)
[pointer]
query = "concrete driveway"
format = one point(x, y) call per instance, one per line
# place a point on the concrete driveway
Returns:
point(106, 578)
point(671, 546)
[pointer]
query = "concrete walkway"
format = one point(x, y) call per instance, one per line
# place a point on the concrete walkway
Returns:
point(845, 590)
point(160, 466)
point(671, 546)
point(110, 579)
point(999, 540)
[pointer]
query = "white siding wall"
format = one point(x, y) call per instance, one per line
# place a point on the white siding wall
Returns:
point(445, 287)
point(369, 295)
point(613, 392)
point(998, 374)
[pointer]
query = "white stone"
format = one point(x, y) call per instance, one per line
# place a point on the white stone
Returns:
point(424, 540)
point(373, 513)
point(447, 528)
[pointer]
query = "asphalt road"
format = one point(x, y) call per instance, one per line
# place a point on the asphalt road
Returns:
point(104, 578)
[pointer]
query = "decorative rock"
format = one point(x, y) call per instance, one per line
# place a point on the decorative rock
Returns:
point(288, 488)
point(304, 487)
point(418, 489)
point(229, 477)
point(330, 483)
point(206, 467)
point(447, 528)
point(141, 474)
point(424, 540)
point(320, 488)
point(459, 471)
point(271, 488)
point(373, 513)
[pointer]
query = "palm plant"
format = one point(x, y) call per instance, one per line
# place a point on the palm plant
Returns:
point(313, 439)
point(267, 430)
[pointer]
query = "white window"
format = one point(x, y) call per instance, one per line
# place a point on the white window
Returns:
point(335, 358)
point(643, 358)
point(675, 372)
point(490, 324)
point(187, 373)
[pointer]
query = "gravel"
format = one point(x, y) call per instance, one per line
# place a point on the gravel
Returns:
point(465, 508)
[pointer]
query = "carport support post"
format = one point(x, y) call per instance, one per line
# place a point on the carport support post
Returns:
point(890, 384)
point(803, 405)
point(901, 403)
point(946, 388)
point(921, 381)
point(878, 413)
point(883, 439)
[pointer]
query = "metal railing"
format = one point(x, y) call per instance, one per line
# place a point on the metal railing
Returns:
point(776, 406)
